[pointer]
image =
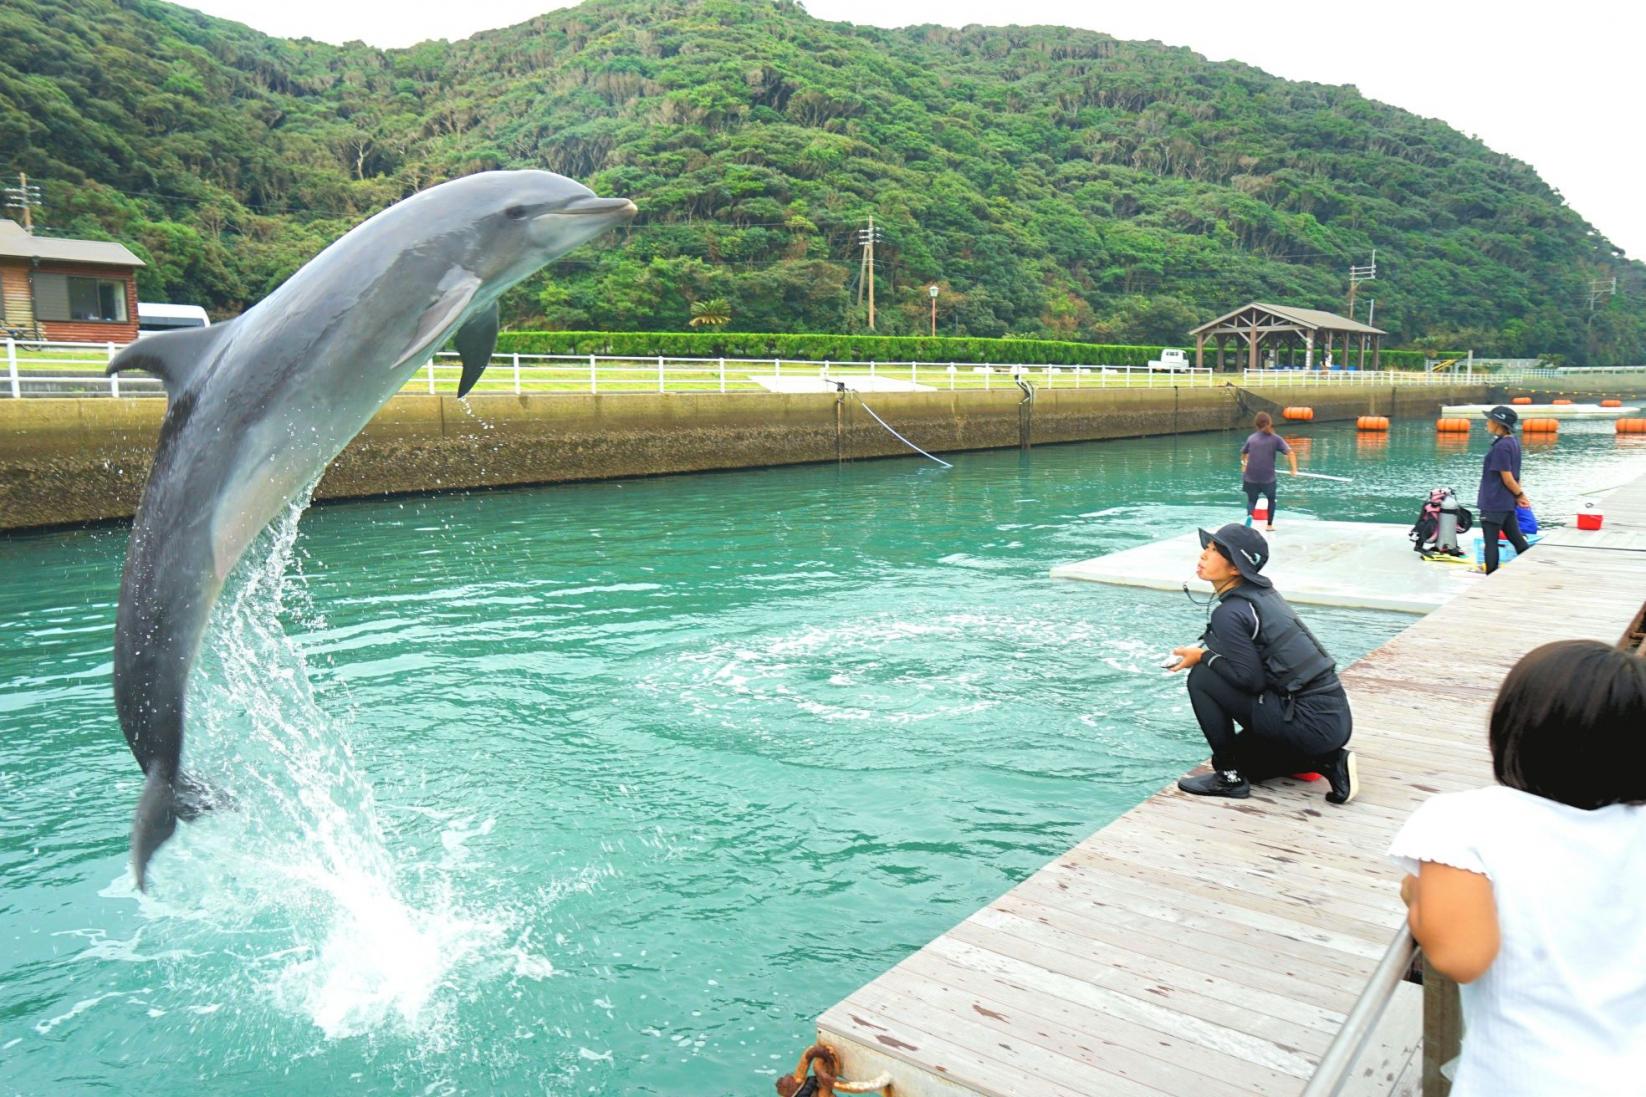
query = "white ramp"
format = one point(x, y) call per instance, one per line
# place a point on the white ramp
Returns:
point(853, 383)
point(1540, 411)
point(1369, 565)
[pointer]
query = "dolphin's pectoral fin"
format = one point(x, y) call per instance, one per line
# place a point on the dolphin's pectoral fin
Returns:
point(154, 822)
point(437, 320)
point(476, 340)
point(173, 356)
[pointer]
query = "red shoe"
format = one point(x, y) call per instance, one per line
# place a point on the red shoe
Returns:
point(1305, 776)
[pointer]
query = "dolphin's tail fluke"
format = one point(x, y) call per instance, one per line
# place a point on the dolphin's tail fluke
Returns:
point(154, 822)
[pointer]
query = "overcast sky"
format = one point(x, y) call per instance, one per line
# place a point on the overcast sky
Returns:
point(1557, 85)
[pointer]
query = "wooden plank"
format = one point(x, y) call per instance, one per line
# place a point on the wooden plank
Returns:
point(1056, 949)
point(1109, 1031)
point(1070, 976)
point(954, 1054)
point(1076, 1065)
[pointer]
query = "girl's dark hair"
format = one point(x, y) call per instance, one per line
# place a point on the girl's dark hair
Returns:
point(1569, 724)
point(1263, 422)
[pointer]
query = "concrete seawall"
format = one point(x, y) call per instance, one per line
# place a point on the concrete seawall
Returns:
point(79, 460)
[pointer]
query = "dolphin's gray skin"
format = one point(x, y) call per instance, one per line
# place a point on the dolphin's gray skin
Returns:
point(259, 405)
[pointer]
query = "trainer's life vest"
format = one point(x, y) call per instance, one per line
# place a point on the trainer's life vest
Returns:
point(1292, 658)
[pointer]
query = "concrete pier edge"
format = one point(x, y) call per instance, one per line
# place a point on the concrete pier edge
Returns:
point(82, 460)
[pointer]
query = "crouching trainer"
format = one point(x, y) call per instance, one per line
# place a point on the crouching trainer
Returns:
point(1264, 690)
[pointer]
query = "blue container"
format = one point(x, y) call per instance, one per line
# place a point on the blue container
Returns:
point(1505, 551)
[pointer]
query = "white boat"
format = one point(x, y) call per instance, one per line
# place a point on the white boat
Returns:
point(1540, 411)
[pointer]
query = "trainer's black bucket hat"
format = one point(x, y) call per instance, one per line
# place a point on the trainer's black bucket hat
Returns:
point(1246, 549)
point(1504, 415)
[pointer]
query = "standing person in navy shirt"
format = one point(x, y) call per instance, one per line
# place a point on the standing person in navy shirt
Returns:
point(1257, 465)
point(1500, 490)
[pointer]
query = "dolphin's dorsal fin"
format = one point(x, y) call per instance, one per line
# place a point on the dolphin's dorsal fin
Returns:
point(176, 357)
point(476, 340)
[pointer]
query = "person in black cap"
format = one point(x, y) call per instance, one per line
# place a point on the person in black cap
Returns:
point(1500, 490)
point(1258, 666)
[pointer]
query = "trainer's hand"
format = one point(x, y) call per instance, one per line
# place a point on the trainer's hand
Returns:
point(1189, 655)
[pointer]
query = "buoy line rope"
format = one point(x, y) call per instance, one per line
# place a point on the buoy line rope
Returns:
point(894, 433)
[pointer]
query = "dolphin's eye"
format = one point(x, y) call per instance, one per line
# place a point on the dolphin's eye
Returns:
point(515, 213)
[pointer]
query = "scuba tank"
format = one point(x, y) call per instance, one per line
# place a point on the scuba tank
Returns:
point(1442, 518)
point(1446, 525)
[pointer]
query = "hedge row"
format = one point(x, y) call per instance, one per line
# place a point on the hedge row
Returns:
point(822, 348)
point(858, 348)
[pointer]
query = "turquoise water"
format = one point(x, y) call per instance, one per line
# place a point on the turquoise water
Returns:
point(609, 788)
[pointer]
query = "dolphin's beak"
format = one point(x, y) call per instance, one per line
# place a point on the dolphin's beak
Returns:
point(614, 209)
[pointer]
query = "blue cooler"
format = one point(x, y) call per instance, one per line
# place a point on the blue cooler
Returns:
point(1505, 551)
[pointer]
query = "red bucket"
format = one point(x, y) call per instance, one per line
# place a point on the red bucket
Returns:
point(1589, 519)
point(1260, 512)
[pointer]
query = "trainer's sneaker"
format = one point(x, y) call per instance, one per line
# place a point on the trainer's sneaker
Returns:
point(1221, 782)
point(1341, 773)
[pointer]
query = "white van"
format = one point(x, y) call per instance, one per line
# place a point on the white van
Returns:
point(152, 317)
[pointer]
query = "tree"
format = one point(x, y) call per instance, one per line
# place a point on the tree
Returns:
point(716, 312)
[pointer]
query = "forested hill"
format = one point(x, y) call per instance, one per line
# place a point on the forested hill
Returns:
point(1050, 181)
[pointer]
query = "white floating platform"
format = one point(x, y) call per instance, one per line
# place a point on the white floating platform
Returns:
point(774, 383)
point(1540, 411)
point(1369, 565)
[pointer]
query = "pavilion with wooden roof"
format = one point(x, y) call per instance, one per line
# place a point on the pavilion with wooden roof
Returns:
point(1285, 331)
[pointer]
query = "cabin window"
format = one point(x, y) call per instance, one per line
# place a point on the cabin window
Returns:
point(65, 297)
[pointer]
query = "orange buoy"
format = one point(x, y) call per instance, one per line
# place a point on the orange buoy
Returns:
point(1303, 414)
point(1372, 422)
point(1560, 401)
point(1521, 400)
point(1539, 426)
point(1453, 426)
point(1631, 426)
point(1611, 403)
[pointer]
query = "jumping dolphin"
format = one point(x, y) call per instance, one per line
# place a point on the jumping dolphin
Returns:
point(259, 405)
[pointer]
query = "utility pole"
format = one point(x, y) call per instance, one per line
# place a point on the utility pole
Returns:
point(1598, 288)
point(867, 238)
point(1358, 275)
point(25, 197)
point(932, 289)
point(1601, 287)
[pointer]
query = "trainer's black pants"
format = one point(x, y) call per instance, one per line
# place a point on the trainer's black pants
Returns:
point(1254, 492)
point(1276, 737)
point(1509, 522)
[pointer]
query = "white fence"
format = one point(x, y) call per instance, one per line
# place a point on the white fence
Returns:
point(1294, 377)
point(77, 369)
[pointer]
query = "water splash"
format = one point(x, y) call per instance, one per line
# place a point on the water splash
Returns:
point(332, 914)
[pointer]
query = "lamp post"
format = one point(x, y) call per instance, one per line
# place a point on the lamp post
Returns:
point(932, 289)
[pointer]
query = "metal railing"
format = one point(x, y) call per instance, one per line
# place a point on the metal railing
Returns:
point(1358, 1026)
point(1442, 1022)
point(77, 369)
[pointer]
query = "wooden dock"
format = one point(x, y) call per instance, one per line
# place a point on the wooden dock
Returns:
point(1205, 947)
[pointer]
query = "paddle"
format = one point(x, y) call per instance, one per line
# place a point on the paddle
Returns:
point(1323, 476)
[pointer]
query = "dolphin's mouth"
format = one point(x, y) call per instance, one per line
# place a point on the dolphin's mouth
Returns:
point(592, 205)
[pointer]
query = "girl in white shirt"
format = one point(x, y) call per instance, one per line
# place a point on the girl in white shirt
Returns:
point(1532, 894)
